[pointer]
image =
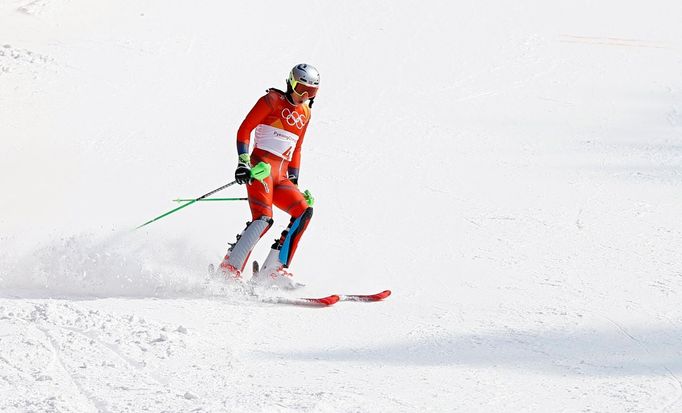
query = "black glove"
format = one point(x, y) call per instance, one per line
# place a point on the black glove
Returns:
point(243, 173)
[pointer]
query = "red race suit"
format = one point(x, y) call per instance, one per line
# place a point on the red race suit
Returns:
point(279, 130)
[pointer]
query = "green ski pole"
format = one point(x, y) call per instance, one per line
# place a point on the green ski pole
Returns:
point(213, 199)
point(187, 204)
point(258, 172)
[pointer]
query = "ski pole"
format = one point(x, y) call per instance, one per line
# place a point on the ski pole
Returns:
point(258, 172)
point(213, 199)
point(191, 201)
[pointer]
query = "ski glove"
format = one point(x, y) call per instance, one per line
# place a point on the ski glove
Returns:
point(243, 173)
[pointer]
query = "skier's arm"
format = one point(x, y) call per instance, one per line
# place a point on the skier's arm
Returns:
point(295, 163)
point(256, 116)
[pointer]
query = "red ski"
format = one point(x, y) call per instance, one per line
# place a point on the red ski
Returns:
point(310, 302)
point(365, 298)
point(321, 302)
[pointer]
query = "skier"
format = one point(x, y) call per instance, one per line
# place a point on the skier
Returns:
point(280, 120)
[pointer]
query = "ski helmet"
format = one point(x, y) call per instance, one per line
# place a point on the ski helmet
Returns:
point(304, 78)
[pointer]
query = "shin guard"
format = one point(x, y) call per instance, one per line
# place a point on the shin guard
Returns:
point(289, 241)
point(239, 252)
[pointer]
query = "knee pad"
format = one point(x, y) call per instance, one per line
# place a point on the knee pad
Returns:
point(240, 251)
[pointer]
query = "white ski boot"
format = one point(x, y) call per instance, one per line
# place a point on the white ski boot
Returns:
point(273, 274)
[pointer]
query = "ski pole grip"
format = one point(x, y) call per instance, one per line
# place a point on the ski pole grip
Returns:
point(261, 171)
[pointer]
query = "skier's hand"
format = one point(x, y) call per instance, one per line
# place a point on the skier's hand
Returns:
point(243, 174)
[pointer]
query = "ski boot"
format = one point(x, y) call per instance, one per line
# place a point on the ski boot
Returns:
point(238, 253)
point(273, 274)
point(228, 271)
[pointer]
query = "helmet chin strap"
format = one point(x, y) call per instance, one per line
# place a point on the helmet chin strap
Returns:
point(290, 98)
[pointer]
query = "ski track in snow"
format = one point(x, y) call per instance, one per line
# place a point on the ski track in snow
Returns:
point(101, 361)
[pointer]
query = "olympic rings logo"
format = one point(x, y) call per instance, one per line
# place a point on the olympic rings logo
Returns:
point(294, 118)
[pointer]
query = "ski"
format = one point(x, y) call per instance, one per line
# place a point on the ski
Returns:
point(326, 301)
point(308, 302)
point(365, 298)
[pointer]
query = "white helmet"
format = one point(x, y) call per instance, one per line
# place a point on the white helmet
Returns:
point(303, 80)
point(306, 74)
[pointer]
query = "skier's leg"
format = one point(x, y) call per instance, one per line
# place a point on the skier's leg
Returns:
point(260, 202)
point(288, 198)
point(239, 252)
point(291, 236)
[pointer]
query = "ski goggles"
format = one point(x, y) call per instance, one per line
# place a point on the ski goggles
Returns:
point(301, 88)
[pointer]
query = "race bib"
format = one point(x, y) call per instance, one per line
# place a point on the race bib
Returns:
point(276, 141)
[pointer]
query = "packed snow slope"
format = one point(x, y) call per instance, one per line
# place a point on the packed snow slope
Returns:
point(511, 170)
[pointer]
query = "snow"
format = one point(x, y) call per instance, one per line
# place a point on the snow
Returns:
point(510, 170)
